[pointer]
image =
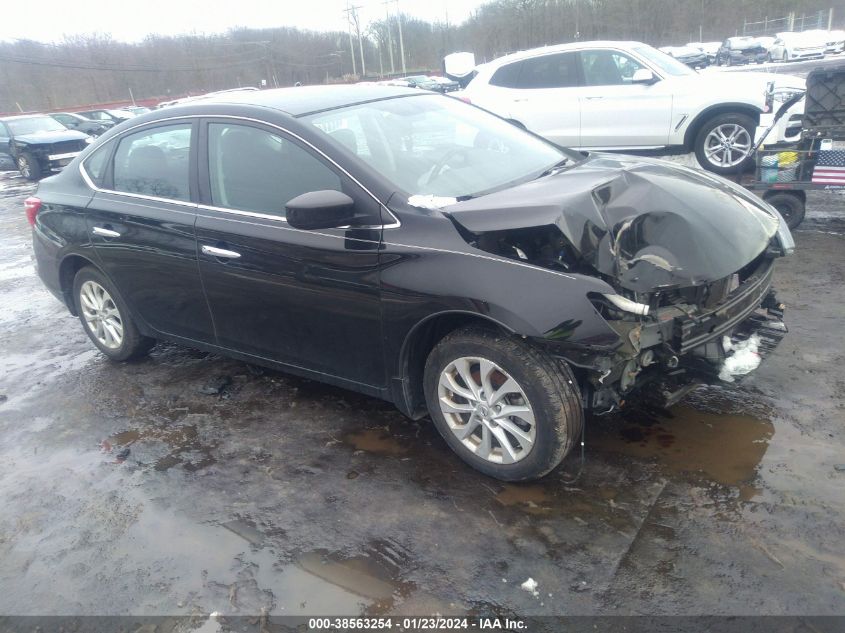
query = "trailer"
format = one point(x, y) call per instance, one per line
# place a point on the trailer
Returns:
point(783, 175)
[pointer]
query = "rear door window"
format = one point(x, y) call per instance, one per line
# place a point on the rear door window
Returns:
point(155, 162)
point(507, 76)
point(95, 165)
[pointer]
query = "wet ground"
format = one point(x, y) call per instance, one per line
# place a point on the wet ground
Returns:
point(127, 490)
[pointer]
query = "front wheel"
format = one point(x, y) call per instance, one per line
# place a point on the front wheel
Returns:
point(506, 408)
point(106, 318)
point(29, 167)
point(723, 144)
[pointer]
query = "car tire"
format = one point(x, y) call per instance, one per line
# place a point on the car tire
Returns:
point(543, 389)
point(106, 318)
point(723, 125)
point(29, 166)
point(790, 205)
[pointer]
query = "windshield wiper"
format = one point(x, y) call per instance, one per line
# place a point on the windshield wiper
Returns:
point(557, 166)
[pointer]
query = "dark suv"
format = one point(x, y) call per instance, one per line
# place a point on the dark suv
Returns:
point(412, 247)
point(39, 144)
point(736, 51)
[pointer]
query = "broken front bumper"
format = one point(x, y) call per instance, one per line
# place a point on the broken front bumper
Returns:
point(681, 346)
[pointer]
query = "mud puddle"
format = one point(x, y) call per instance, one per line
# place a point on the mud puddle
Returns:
point(165, 447)
point(725, 448)
point(378, 441)
point(332, 583)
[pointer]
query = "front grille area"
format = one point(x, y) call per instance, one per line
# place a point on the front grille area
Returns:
point(65, 147)
point(738, 305)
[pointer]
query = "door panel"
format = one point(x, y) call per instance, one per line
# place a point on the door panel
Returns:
point(547, 99)
point(309, 299)
point(153, 261)
point(616, 112)
point(142, 227)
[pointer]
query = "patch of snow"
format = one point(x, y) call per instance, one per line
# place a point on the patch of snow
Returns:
point(430, 202)
point(530, 586)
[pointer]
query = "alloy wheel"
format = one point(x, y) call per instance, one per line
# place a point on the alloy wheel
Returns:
point(23, 167)
point(101, 314)
point(727, 145)
point(487, 410)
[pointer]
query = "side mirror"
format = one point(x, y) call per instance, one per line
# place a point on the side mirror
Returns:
point(325, 209)
point(643, 76)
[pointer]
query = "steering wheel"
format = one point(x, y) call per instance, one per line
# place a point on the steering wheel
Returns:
point(444, 160)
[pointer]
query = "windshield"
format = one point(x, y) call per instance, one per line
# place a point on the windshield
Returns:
point(34, 124)
point(439, 146)
point(664, 62)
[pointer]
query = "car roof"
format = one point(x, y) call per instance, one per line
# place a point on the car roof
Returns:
point(22, 116)
point(303, 100)
point(559, 48)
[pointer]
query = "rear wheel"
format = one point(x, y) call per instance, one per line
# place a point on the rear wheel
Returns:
point(506, 408)
point(723, 144)
point(106, 318)
point(29, 167)
point(789, 204)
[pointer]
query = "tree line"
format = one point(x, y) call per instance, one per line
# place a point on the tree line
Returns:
point(97, 69)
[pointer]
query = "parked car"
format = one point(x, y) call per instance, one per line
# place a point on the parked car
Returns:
point(736, 51)
point(136, 110)
point(422, 81)
point(444, 84)
point(73, 121)
point(708, 48)
point(474, 272)
point(833, 41)
point(790, 46)
point(39, 144)
point(692, 57)
point(627, 95)
point(115, 116)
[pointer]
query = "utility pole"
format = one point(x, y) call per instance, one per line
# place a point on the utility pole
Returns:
point(352, 18)
point(401, 43)
point(389, 34)
point(351, 45)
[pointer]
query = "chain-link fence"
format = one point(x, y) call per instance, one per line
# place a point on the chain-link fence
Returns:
point(792, 22)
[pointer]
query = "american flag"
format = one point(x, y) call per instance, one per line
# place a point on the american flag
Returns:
point(830, 168)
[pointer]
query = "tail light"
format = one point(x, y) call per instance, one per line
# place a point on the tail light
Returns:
point(464, 98)
point(32, 205)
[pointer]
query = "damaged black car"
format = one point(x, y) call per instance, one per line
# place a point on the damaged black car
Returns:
point(418, 249)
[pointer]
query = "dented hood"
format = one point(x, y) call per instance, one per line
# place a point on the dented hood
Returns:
point(649, 224)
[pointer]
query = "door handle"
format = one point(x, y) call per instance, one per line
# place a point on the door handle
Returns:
point(222, 253)
point(595, 97)
point(103, 232)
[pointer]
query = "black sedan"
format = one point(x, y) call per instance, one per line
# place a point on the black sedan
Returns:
point(410, 246)
point(73, 121)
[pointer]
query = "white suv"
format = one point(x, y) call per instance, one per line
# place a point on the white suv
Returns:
point(629, 96)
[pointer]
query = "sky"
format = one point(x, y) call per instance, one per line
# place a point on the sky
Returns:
point(132, 21)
